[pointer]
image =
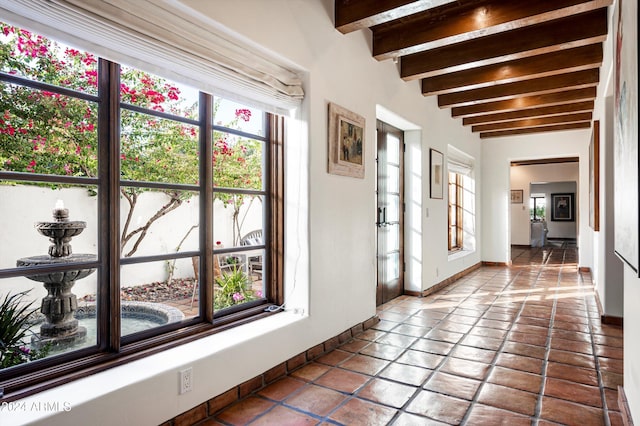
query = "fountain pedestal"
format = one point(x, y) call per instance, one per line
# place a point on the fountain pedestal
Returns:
point(60, 328)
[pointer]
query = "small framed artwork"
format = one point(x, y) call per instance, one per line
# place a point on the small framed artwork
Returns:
point(562, 207)
point(436, 173)
point(346, 142)
point(517, 196)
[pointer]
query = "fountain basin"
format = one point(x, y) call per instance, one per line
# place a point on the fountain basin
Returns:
point(136, 316)
point(58, 277)
point(67, 229)
point(155, 312)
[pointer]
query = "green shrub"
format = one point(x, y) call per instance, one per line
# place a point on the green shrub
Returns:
point(232, 288)
point(14, 322)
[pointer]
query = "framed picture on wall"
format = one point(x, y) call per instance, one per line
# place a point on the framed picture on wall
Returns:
point(626, 163)
point(436, 173)
point(562, 207)
point(346, 142)
point(517, 196)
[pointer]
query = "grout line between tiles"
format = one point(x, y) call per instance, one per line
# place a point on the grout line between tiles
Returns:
point(538, 408)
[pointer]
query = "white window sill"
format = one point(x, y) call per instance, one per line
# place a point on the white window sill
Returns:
point(459, 254)
point(113, 389)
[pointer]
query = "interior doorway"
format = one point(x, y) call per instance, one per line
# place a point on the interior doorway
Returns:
point(544, 201)
point(390, 213)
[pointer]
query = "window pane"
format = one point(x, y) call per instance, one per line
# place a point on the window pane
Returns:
point(25, 206)
point(150, 297)
point(158, 222)
point(393, 208)
point(159, 94)
point(393, 149)
point(237, 116)
point(238, 278)
point(393, 178)
point(237, 162)
point(37, 331)
point(44, 132)
point(237, 218)
point(453, 199)
point(158, 150)
point(392, 267)
point(393, 234)
point(452, 215)
point(38, 58)
point(453, 237)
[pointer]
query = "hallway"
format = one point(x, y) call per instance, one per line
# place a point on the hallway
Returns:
point(520, 346)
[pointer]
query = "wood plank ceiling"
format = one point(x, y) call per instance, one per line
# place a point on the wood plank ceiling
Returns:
point(505, 67)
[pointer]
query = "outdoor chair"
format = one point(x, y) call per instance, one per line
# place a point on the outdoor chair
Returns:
point(253, 238)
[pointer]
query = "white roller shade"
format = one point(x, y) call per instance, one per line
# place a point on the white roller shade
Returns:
point(459, 162)
point(166, 38)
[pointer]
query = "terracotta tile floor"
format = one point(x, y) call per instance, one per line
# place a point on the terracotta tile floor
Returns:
point(519, 345)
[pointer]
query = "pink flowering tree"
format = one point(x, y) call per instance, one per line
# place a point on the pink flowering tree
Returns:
point(50, 133)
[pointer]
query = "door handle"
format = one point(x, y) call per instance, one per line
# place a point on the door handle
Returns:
point(382, 217)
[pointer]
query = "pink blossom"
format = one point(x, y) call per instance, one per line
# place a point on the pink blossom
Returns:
point(89, 59)
point(92, 77)
point(243, 114)
point(238, 297)
point(172, 92)
point(67, 168)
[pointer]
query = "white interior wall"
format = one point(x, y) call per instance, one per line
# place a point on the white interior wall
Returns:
point(330, 234)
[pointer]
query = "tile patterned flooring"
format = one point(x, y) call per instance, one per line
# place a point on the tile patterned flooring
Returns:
point(521, 345)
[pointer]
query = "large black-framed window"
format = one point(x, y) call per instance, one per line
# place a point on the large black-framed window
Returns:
point(117, 138)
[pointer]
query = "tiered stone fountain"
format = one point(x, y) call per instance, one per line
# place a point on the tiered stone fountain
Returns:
point(60, 330)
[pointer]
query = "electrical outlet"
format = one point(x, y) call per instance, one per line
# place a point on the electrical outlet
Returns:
point(185, 380)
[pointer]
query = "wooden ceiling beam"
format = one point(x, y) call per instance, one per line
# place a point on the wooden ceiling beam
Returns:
point(428, 30)
point(530, 113)
point(578, 59)
point(534, 122)
point(556, 83)
point(566, 33)
point(356, 15)
point(553, 128)
point(557, 98)
point(545, 161)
